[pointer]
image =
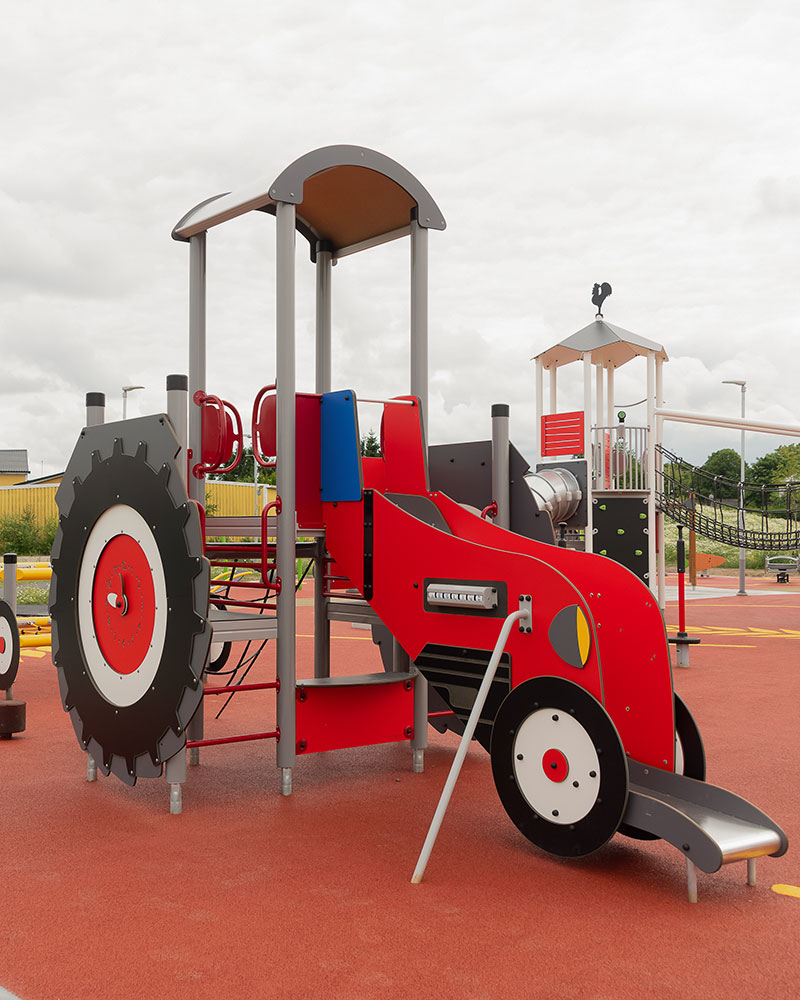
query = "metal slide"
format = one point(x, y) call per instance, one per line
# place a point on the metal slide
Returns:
point(710, 825)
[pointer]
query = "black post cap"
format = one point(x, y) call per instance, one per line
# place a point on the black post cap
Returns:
point(9, 557)
point(500, 409)
point(178, 382)
point(95, 399)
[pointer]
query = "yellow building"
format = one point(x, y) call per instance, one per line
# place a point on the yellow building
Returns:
point(13, 466)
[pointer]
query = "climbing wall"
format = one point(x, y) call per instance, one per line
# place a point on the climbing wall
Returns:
point(620, 531)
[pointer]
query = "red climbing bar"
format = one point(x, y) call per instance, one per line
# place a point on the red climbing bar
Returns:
point(233, 739)
point(242, 687)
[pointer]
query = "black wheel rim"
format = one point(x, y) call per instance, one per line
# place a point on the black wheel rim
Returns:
point(581, 811)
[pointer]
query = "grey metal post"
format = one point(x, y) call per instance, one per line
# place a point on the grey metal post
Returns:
point(10, 592)
point(175, 767)
point(197, 356)
point(286, 544)
point(95, 415)
point(322, 627)
point(588, 453)
point(419, 317)
point(323, 365)
point(10, 580)
point(400, 659)
point(537, 455)
point(650, 475)
point(95, 408)
point(420, 741)
point(742, 592)
point(177, 393)
point(501, 491)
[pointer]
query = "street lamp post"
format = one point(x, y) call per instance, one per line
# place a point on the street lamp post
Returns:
point(125, 390)
point(742, 551)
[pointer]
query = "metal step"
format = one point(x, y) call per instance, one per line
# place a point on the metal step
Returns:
point(236, 626)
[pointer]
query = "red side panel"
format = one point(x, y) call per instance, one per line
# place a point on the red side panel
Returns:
point(353, 715)
point(405, 453)
point(374, 474)
point(562, 433)
point(307, 464)
point(629, 629)
point(406, 552)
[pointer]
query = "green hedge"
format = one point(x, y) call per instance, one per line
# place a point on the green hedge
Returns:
point(23, 534)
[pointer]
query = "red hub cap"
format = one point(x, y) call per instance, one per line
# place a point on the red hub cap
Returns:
point(2, 644)
point(555, 765)
point(123, 604)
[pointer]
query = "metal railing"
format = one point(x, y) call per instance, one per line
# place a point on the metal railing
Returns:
point(619, 458)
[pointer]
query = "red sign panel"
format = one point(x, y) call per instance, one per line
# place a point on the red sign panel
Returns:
point(562, 433)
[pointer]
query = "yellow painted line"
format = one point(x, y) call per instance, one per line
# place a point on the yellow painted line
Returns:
point(727, 645)
point(34, 653)
point(743, 633)
point(787, 890)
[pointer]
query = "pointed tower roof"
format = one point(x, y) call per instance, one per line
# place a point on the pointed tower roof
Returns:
point(607, 345)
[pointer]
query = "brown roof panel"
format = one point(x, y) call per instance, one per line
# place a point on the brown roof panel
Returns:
point(346, 195)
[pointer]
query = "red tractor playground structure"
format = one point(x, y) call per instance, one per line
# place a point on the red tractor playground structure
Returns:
point(585, 734)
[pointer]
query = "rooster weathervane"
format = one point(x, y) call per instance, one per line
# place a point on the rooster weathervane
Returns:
point(599, 294)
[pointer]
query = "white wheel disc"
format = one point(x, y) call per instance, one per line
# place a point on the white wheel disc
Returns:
point(6, 646)
point(120, 689)
point(556, 766)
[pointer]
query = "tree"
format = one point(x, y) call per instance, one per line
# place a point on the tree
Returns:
point(370, 445)
point(725, 463)
point(243, 473)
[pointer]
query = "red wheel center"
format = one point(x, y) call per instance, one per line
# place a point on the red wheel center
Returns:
point(123, 604)
point(554, 765)
point(2, 644)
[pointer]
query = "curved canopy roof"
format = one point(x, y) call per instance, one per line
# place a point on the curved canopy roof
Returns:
point(608, 345)
point(347, 198)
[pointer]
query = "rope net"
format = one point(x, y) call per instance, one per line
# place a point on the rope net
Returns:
point(712, 506)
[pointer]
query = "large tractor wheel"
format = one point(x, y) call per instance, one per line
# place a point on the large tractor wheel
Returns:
point(129, 597)
point(9, 646)
point(559, 766)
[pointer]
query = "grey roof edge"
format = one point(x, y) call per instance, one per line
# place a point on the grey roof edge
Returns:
point(590, 338)
point(288, 185)
point(288, 188)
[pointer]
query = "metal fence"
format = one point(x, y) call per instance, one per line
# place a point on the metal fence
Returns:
point(223, 498)
point(619, 458)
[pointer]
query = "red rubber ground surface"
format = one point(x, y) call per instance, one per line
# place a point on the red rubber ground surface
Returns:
point(249, 894)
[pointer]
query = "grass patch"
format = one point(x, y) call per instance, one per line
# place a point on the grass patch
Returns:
point(30, 593)
point(755, 558)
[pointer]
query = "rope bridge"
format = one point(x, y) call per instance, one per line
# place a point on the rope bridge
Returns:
point(710, 505)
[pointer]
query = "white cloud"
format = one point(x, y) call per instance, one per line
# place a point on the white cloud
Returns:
point(655, 147)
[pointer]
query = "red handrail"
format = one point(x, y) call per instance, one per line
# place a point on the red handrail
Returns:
point(208, 399)
point(490, 511)
point(256, 450)
point(239, 439)
point(265, 546)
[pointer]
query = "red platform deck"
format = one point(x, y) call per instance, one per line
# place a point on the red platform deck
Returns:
point(249, 894)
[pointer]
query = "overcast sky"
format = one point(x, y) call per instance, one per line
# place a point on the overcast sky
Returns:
point(650, 145)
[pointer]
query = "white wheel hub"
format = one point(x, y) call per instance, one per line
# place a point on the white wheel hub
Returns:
point(556, 766)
